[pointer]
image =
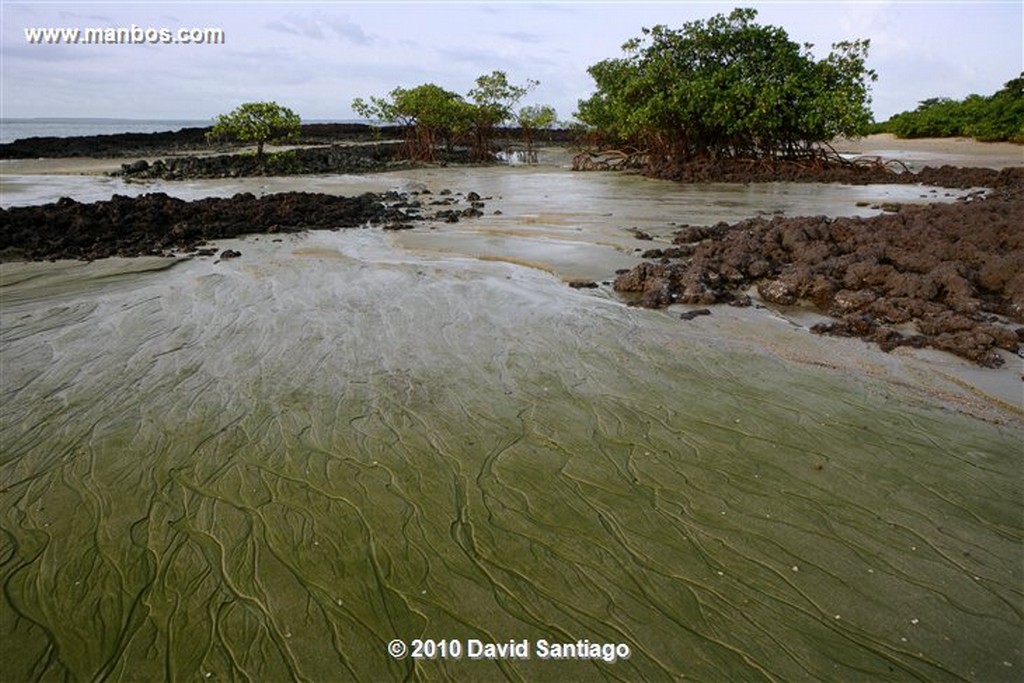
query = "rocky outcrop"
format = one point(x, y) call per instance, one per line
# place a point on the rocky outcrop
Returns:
point(306, 160)
point(182, 140)
point(781, 170)
point(955, 271)
point(156, 224)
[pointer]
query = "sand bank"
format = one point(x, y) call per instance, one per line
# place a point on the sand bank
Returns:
point(920, 152)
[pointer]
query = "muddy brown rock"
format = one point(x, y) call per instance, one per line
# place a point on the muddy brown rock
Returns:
point(954, 271)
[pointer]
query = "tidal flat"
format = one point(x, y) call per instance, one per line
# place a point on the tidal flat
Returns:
point(269, 468)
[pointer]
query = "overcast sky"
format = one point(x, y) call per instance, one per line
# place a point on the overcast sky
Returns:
point(316, 57)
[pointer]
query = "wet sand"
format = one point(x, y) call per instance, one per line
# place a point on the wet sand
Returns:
point(69, 166)
point(920, 152)
point(273, 466)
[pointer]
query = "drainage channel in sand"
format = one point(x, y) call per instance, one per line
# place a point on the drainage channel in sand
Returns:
point(276, 465)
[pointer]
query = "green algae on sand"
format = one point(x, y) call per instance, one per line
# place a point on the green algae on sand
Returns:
point(271, 468)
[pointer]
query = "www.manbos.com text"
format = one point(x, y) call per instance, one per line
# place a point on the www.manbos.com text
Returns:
point(125, 35)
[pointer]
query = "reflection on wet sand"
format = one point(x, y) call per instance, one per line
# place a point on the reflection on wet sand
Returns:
point(269, 468)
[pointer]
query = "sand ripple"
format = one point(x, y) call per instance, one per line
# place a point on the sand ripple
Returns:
point(268, 469)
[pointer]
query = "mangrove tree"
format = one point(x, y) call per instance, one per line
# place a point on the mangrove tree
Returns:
point(726, 87)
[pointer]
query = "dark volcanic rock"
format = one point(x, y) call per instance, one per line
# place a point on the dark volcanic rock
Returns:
point(951, 269)
point(653, 281)
point(118, 145)
point(671, 252)
point(330, 159)
point(166, 142)
point(157, 223)
point(753, 171)
point(690, 315)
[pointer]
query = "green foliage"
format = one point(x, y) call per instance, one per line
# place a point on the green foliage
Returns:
point(727, 86)
point(425, 105)
point(258, 122)
point(534, 117)
point(537, 116)
point(989, 119)
point(434, 116)
point(431, 115)
point(494, 99)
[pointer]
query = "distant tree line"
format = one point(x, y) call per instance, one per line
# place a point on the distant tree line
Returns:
point(998, 117)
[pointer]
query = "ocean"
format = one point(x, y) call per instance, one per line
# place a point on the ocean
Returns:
point(14, 129)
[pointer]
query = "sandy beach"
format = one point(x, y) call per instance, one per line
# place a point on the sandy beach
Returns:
point(936, 151)
point(273, 466)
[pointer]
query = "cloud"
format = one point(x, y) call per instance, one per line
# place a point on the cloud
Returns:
point(73, 18)
point(314, 57)
point(321, 27)
point(351, 31)
point(522, 37)
point(298, 26)
point(485, 59)
point(471, 55)
point(45, 53)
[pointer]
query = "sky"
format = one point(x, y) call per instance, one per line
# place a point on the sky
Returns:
point(315, 57)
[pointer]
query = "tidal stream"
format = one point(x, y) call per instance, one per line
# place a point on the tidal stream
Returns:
point(269, 468)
